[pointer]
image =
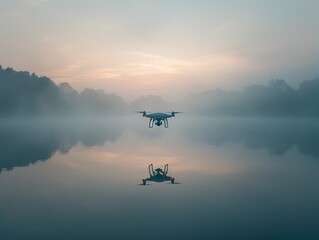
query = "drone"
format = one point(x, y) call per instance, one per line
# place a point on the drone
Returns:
point(158, 118)
point(158, 175)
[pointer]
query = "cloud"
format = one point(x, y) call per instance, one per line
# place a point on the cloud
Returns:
point(144, 71)
point(152, 64)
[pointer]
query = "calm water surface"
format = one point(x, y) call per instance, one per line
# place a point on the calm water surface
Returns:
point(238, 179)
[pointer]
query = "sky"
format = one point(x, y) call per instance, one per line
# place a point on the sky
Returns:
point(170, 48)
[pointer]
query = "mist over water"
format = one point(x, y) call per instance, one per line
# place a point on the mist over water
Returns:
point(81, 82)
point(243, 178)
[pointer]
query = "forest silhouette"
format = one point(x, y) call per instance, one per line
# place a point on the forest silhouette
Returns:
point(26, 94)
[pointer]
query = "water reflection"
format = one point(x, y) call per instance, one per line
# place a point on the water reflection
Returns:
point(158, 175)
point(276, 135)
point(25, 143)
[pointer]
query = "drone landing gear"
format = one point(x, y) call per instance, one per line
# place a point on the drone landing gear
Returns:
point(151, 170)
point(144, 182)
point(158, 123)
point(151, 123)
point(165, 122)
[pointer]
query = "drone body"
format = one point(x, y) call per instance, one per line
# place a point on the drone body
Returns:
point(158, 118)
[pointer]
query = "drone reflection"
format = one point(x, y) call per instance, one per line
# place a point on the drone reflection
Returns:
point(158, 175)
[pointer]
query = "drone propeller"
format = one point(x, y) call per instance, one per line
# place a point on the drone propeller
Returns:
point(173, 113)
point(143, 112)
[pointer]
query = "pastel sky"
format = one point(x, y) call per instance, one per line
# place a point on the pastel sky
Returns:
point(170, 48)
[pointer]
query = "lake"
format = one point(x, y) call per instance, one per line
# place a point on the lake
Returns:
point(236, 178)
